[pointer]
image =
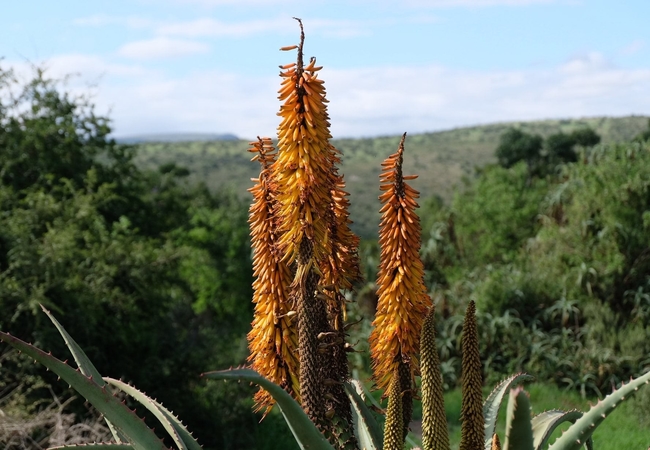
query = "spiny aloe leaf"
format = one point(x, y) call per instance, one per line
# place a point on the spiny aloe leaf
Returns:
point(87, 368)
point(305, 432)
point(545, 423)
point(174, 427)
point(363, 390)
point(519, 431)
point(368, 395)
point(99, 446)
point(493, 404)
point(579, 433)
point(368, 430)
point(83, 362)
point(141, 436)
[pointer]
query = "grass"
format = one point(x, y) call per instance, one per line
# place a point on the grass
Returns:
point(441, 159)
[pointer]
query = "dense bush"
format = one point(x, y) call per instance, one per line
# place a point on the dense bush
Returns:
point(151, 275)
point(559, 267)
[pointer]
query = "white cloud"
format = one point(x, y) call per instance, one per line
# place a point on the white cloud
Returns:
point(208, 27)
point(212, 27)
point(212, 101)
point(391, 101)
point(633, 48)
point(90, 66)
point(363, 102)
point(590, 62)
point(380, 101)
point(161, 47)
point(100, 20)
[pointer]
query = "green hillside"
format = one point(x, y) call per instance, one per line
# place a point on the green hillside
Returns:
point(441, 159)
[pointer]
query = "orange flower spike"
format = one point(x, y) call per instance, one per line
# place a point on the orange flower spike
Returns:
point(304, 161)
point(402, 296)
point(342, 267)
point(273, 339)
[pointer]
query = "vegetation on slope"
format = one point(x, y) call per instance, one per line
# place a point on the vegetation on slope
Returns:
point(442, 159)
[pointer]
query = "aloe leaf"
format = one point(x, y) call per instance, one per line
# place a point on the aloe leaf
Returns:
point(98, 446)
point(369, 431)
point(87, 368)
point(493, 404)
point(174, 427)
point(580, 432)
point(545, 423)
point(305, 432)
point(366, 394)
point(519, 431)
point(141, 436)
point(83, 362)
point(411, 441)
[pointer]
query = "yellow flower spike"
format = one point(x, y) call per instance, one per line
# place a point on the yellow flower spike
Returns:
point(471, 412)
point(273, 339)
point(402, 295)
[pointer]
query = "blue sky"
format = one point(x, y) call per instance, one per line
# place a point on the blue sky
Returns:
point(415, 65)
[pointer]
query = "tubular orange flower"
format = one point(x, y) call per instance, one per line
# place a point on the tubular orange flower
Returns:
point(304, 160)
point(301, 172)
point(312, 225)
point(340, 270)
point(341, 267)
point(403, 300)
point(273, 339)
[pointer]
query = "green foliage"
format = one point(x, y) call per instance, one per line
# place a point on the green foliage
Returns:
point(140, 436)
point(585, 137)
point(493, 218)
point(522, 430)
point(515, 146)
point(47, 135)
point(559, 148)
point(149, 261)
point(644, 135)
point(560, 278)
point(442, 159)
point(134, 262)
point(305, 432)
point(562, 147)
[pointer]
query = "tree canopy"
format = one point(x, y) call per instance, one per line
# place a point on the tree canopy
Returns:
point(516, 145)
point(149, 274)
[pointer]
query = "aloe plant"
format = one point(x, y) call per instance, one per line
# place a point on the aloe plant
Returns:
point(305, 257)
point(129, 430)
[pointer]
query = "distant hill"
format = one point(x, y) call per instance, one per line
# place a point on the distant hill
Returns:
point(176, 137)
point(441, 159)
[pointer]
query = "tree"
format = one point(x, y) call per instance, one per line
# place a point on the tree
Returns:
point(585, 137)
point(144, 270)
point(644, 135)
point(516, 145)
point(561, 147)
point(46, 134)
